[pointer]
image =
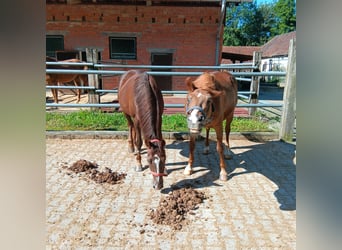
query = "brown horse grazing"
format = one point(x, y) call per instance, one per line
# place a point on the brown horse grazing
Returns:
point(57, 79)
point(211, 99)
point(142, 103)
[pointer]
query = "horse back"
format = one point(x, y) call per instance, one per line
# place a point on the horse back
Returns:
point(140, 97)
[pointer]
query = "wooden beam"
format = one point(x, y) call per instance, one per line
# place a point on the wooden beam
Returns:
point(289, 109)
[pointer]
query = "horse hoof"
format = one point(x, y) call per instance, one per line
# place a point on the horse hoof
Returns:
point(138, 168)
point(223, 177)
point(228, 154)
point(187, 170)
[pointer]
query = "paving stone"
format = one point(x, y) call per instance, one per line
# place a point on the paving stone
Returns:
point(254, 209)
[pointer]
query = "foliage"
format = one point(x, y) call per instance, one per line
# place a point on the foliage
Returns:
point(285, 17)
point(96, 120)
point(248, 24)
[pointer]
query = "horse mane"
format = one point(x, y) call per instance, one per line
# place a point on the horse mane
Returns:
point(206, 81)
point(215, 81)
point(150, 122)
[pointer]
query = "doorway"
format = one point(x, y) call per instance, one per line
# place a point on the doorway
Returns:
point(157, 58)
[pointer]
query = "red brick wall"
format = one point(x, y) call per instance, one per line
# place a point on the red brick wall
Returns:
point(190, 31)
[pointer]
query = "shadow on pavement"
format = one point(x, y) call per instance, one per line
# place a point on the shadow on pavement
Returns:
point(272, 159)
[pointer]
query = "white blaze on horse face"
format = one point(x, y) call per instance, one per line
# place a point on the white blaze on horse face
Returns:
point(157, 161)
point(193, 116)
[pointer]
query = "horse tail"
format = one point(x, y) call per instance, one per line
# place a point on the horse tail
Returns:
point(159, 103)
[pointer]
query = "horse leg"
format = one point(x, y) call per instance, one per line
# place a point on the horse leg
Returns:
point(55, 95)
point(219, 148)
point(206, 147)
point(138, 144)
point(188, 168)
point(78, 91)
point(227, 152)
point(130, 133)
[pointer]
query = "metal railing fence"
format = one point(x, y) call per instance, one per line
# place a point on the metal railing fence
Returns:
point(241, 94)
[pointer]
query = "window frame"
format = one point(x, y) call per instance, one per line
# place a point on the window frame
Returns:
point(123, 55)
point(52, 53)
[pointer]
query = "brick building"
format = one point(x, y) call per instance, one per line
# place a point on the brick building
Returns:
point(137, 32)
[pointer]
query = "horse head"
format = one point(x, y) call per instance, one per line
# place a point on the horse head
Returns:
point(156, 159)
point(200, 107)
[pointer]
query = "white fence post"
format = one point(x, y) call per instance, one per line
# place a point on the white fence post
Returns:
point(253, 99)
point(289, 109)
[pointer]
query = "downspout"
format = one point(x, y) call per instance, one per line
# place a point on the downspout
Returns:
point(219, 32)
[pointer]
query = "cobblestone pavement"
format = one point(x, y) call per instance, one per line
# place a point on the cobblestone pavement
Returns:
point(254, 209)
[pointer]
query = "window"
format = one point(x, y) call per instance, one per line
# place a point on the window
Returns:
point(123, 48)
point(54, 43)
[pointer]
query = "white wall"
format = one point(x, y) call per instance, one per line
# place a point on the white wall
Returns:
point(278, 64)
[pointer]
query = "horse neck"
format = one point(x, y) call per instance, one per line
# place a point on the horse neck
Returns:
point(150, 121)
point(159, 110)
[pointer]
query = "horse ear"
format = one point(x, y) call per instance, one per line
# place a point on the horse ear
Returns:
point(189, 84)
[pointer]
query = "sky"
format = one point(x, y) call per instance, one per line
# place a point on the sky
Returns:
point(264, 1)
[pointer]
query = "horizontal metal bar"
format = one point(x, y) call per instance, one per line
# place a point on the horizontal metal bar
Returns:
point(116, 105)
point(243, 96)
point(68, 87)
point(101, 105)
point(82, 71)
point(242, 64)
point(177, 92)
point(106, 91)
point(111, 72)
point(258, 105)
point(99, 65)
point(83, 105)
point(228, 66)
point(268, 73)
point(243, 79)
point(247, 92)
point(70, 63)
point(116, 90)
point(116, 72)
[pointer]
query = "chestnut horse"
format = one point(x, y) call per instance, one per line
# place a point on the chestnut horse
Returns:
point(57, 79)
point(142, 103)
point(211, 99)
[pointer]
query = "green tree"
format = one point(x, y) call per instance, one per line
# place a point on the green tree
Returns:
point(248, 24)
point(285, 17)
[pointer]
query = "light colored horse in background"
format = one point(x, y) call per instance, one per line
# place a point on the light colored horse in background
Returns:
point(53, 79)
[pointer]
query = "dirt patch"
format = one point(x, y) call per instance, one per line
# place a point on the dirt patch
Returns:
point(91, 172)
point(173, 208)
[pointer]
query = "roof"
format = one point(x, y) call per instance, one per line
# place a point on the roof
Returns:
point(238, 53)
point(278, 45)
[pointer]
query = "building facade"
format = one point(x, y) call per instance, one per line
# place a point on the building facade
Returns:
point(137, 33)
